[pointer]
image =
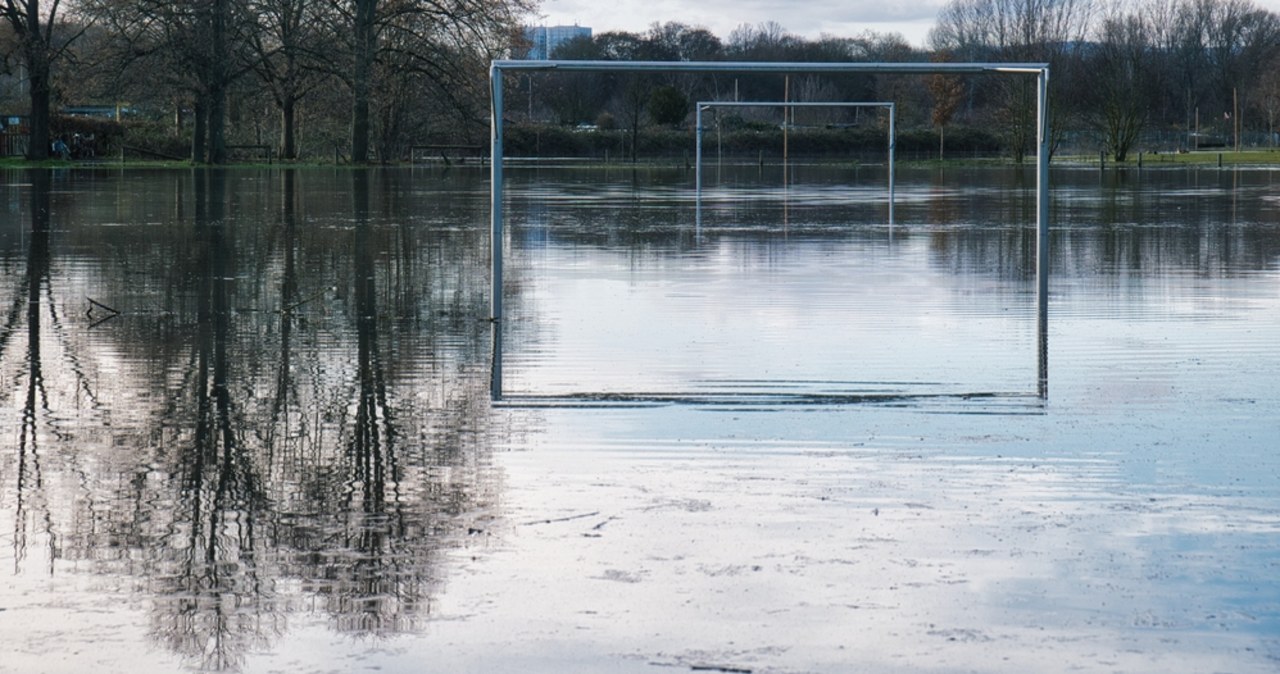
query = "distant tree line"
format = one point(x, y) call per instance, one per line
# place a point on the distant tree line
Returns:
point(1190, 71)
point(1184, 67)
point(629, 102)
point(367, 79)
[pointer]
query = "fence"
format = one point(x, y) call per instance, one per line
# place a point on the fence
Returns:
point(14, 144)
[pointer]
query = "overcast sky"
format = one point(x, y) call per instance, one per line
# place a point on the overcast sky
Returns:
point(807, 18)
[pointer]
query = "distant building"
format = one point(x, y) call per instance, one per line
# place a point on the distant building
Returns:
point(115, 112)
point(543, 40)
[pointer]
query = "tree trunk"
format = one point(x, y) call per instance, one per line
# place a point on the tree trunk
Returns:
point(217, 109)
point(942, 141)
point(288, 145)
point(198, 132)
point(362, 70)
point(38, 79)
point(360, 124)
point(217, 124)
point(635, 137)
point(38, 263)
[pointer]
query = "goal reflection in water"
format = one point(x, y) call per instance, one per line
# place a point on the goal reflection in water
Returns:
point(752, 293)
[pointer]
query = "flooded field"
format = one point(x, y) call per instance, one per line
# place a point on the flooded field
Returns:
point(248, 425)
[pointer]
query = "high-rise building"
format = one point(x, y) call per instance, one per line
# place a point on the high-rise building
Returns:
point(543, 40)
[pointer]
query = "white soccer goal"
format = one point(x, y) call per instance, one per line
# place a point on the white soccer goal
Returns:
point(498, 70)
point(709, 105)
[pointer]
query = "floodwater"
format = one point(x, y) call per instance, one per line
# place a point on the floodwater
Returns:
point(248, 424)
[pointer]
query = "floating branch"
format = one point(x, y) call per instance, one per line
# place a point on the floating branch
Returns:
point(563, 519)
point(102, 320)
point(95, 304)
point(301, 302)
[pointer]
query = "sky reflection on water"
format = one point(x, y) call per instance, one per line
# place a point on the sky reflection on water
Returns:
point(280, 455)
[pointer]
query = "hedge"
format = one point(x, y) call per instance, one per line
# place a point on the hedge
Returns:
point(523, 140)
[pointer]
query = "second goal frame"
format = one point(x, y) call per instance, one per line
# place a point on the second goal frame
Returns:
point(707, 105)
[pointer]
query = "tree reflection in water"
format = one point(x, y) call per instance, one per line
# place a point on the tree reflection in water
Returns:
point(296, 405)
point(53, 382)
point(36, 398)
point(211, 603)
point(372, 580)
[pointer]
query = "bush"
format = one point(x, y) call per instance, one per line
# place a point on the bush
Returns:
point(960, 139)
point(668, 107)
point(153, 139)
point(665, 143)
point(545, 140)
point(87, 137)
point(808, 141)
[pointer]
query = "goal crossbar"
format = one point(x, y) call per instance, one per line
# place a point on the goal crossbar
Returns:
point(498, 69)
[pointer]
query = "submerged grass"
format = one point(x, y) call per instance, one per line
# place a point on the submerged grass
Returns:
point(1199, 158)
point(107, 164)
point(19, 162)
point(1268, 157)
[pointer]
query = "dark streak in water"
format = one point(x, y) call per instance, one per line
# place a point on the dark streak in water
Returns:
point(745, 399)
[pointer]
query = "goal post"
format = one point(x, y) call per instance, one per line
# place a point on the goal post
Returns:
point(708, 105)
point(499, 68)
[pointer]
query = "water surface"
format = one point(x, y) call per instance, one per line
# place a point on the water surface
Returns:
point(250, 426)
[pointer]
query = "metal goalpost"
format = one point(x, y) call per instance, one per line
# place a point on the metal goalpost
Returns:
point(707, 105)
point(497, 70)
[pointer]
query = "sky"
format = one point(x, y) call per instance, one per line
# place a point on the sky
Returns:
point(806, 18)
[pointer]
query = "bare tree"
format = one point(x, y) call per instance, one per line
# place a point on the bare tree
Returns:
point(193, 47)
point(285, 39)
point(424, 37)
point(1241, 39)
point(1206, 52)
point(676, 41)
point(632, 90)
point(1121, 69)
point(1267, 97)
point(574, 97)
point(1051, 31)
point(41, 41)
point(948, 93)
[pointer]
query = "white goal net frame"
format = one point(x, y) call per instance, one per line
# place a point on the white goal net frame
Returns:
point(500, 68)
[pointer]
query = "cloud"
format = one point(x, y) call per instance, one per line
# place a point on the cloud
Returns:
point(809, 19)
point(834, 11)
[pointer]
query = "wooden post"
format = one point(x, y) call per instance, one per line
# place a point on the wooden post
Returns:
point(786, 98)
